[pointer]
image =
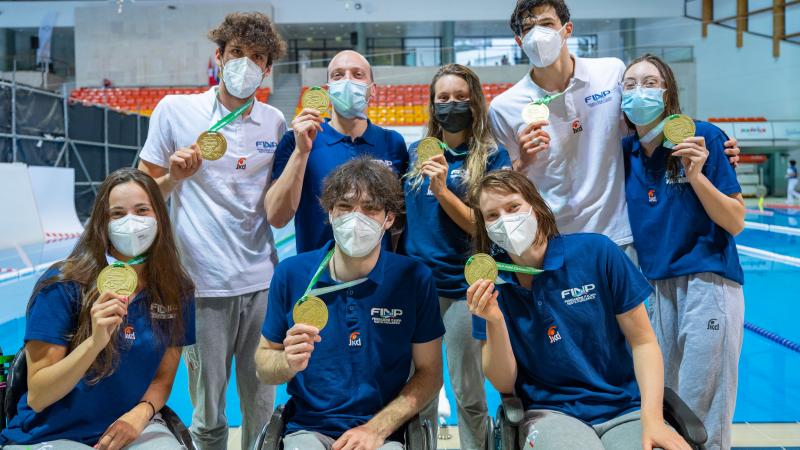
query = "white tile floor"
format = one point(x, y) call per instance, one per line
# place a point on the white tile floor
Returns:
point(744, 435)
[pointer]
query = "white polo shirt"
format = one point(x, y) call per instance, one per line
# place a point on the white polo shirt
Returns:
point(218, 213)
point(581, 176)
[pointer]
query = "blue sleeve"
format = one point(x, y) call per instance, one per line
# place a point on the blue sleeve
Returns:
point(188, 322)
point(282, 154)
point(499, 160)
point(429, 318)
point(275, 322)
point(478, 328)
point(628, 286)
point(718, 169)
point(53, 314)
point(400, 149)
point(412, 153)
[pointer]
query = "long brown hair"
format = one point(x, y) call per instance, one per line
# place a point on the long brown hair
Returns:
point(166, 282)
point(510, 182)
point(479, 134)
point(672, 103)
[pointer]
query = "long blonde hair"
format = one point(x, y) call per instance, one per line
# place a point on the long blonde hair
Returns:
point(479, 134)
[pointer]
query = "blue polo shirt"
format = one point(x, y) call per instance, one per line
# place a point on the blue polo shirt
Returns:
point(571, 354)
point(86, 412)
point(330, 150)
point(364, 358)
point(430, 235)
point(673, 234)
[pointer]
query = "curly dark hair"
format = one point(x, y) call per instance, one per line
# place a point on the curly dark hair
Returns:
point(523, 11)
point(365, 176)
point(252, 30)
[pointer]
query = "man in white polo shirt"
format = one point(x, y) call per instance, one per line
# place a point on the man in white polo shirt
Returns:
point(575, 156)
point(220, 220)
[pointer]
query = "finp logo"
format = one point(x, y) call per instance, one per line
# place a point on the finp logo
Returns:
point(581, 294)
point(266, 146)
point(386, 316)
point(598, 98)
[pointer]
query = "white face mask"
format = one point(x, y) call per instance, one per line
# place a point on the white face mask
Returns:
point(514, 233)
point(356, 234)
point(241, 77)
point(543, 45)
point(132, 235)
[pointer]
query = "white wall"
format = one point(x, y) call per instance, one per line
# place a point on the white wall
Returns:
point(149, 44)
point(733, 82)
point(28, 14)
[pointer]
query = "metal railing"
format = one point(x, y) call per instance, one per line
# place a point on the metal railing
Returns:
point(69, 149)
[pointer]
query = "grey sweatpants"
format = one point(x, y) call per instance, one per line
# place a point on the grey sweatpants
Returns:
point(308, 440)
point(552, 430)
point(227, 328)
point(699, 321)
point(156, 436)
point(466, 375)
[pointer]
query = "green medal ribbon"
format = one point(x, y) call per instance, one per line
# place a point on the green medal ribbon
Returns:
point(230, 117)
point(338, 287)
point(131, 262)
point(505, 267)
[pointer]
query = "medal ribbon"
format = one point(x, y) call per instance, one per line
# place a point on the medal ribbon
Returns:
point(131, 262)
point(657, 130)
point(326, 290)
point(549, 98)
point(230, 117)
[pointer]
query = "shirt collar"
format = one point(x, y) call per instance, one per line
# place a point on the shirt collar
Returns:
point(637, 150)
point(553, 259)
point(580, 73)
point(218, 110)
point(375, 275)
point(369, 137)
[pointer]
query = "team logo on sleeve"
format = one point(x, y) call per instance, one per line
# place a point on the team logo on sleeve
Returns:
point(553, 334)
point(355, 339)
point(386, 316)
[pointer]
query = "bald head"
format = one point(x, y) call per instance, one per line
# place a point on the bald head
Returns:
point(350, 64)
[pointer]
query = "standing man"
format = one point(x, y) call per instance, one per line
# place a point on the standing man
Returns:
point(220, 221)
point(791, 185)
point(581, 177)
point(314, 147)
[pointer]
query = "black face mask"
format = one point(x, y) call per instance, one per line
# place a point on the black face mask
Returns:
point(453, 116)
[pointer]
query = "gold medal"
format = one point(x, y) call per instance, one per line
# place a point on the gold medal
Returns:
point(679, 128)
point(535, 112)
point(315, 98)
point(120, 280)
point(311, 311)
point(480, 267)
point(428, 148)
point(212, 145)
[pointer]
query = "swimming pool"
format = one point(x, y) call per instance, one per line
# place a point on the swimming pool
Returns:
point(769, 384)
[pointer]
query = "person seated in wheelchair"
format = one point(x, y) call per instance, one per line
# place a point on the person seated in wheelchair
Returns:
point(557, 338)
point(104, 329)
point(348, 378)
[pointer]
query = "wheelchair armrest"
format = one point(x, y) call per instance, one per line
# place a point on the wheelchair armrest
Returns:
point(272, 433)
point(176, 426)
point(17, 383)
point(418, 434)
point(512, 409)
point(683, 419)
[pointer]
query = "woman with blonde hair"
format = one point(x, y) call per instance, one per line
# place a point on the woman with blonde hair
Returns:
point(439, 225)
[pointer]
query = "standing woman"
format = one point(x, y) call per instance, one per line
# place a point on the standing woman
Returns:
point(440, 226)
point(101, 365)
point(685, 205)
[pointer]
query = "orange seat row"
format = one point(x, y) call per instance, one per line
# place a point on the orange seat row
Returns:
point(141, 100)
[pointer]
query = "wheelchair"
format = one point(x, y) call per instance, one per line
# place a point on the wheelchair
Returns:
point(504, 434)
point(417, 433)
point(16, 384)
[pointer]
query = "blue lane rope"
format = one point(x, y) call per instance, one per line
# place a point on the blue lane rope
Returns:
point(774, 337)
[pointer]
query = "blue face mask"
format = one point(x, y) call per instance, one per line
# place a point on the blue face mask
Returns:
point(643, 105)
point(349, 98)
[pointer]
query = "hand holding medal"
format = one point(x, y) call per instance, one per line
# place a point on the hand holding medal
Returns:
point(680, 130)
point(212, 143)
